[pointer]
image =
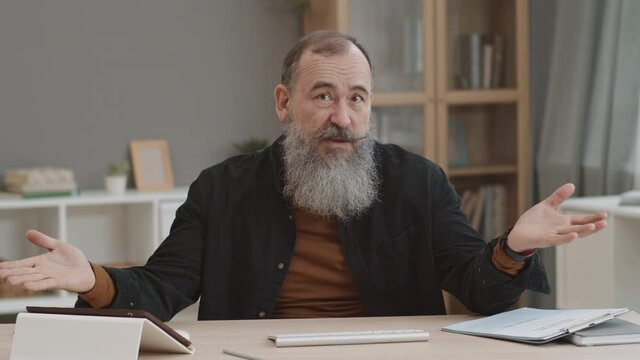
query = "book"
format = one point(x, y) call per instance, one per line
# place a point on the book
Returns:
point(38, 175)
point(612, 332)
point(479, 210)
point(487, 64)
point(534, 326)
point(497, 67)
point(40, 188)
point(475, 60)
point(34, 195)
point(489, 206)
point(499, 209)
point(467, 203)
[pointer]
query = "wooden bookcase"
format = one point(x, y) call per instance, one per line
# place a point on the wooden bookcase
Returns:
point(451, 83)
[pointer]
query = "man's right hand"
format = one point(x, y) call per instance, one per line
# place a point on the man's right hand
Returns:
point(63, 267)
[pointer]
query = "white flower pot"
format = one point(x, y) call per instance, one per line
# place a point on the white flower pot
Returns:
point(116, 184)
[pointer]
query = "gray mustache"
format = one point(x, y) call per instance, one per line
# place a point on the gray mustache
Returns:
point(336, 133)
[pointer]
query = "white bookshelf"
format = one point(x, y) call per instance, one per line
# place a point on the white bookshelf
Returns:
point(601, 270)
point(109, 229)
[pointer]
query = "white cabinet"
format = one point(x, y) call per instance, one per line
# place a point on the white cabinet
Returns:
point(109, 229)
point(601, 270)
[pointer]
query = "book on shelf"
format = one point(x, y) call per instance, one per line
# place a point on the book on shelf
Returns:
point(487, 61)
point(38, 175)
point(412, 46)
point(38, 182)
point(497, 66)
point(486, 209)
point(478, 212)
point(457, 143)
point(482, 58)
point(489, 215)
point(468, 200)
point(42, 188)
point(34, 195)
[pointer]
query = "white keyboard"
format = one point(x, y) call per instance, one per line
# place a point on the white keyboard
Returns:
point(350, 337)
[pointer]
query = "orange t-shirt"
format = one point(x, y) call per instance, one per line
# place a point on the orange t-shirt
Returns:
point(318, 282)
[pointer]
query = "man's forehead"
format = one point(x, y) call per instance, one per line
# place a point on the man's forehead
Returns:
point(351, 65)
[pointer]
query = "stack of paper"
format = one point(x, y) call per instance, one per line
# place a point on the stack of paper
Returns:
point(40, 182)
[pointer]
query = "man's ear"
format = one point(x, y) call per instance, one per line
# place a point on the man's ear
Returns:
point(282, 97)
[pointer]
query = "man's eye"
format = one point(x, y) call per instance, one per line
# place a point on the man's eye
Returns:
point(324, 96)
point(357, 98)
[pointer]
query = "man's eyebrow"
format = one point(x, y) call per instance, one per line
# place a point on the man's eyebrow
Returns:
point(326, 84)
point(361, 88)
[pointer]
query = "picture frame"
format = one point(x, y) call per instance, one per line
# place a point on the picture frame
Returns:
point(151, 164)
point(457, 147)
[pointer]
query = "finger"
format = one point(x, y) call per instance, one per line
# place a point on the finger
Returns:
point(585, 219)
point(21, 279)
point(561, 194)
point(42, 240)
point(46, 284)
point(5, 273)
point(598, 226)
point(22, 263)
point(578, 229)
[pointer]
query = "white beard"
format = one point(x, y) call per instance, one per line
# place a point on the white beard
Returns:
point(341, 184)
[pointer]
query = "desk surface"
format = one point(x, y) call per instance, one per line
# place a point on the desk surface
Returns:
point(249, 336)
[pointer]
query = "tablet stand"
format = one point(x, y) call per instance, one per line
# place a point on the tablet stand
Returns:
point(53, 336)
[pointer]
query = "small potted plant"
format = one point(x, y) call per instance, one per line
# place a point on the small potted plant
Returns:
point(116, 179)
point(251, 145)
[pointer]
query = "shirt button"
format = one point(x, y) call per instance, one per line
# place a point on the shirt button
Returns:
point(290, 217)
point(262, 314)
point(280, 265)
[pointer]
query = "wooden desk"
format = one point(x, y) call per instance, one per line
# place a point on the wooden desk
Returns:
point(249, 336)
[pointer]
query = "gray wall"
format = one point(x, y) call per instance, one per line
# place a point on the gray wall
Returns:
point(79, 79)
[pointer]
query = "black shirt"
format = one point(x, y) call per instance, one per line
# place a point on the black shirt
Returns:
point(235, 228)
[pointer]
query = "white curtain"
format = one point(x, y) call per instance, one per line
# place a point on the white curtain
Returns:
point(589, 131)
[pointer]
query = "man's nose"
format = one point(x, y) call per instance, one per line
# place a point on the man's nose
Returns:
point(341, 116)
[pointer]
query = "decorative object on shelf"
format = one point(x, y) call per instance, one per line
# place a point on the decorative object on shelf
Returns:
point(251, 145)
point(151, 164)
point(116, 179)
point(457, 145)
point(40, 182)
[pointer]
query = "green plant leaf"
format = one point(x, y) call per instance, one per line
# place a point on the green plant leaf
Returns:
point(251, 145)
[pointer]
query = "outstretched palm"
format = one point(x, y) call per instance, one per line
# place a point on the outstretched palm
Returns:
point(62, 267)
point(543, 226)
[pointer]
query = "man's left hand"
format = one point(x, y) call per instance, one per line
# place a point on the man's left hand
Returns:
point(543, 226)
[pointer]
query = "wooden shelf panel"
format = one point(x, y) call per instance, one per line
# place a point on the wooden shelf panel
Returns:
point(399, 99)
point(482, 170)
point(481, 96)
